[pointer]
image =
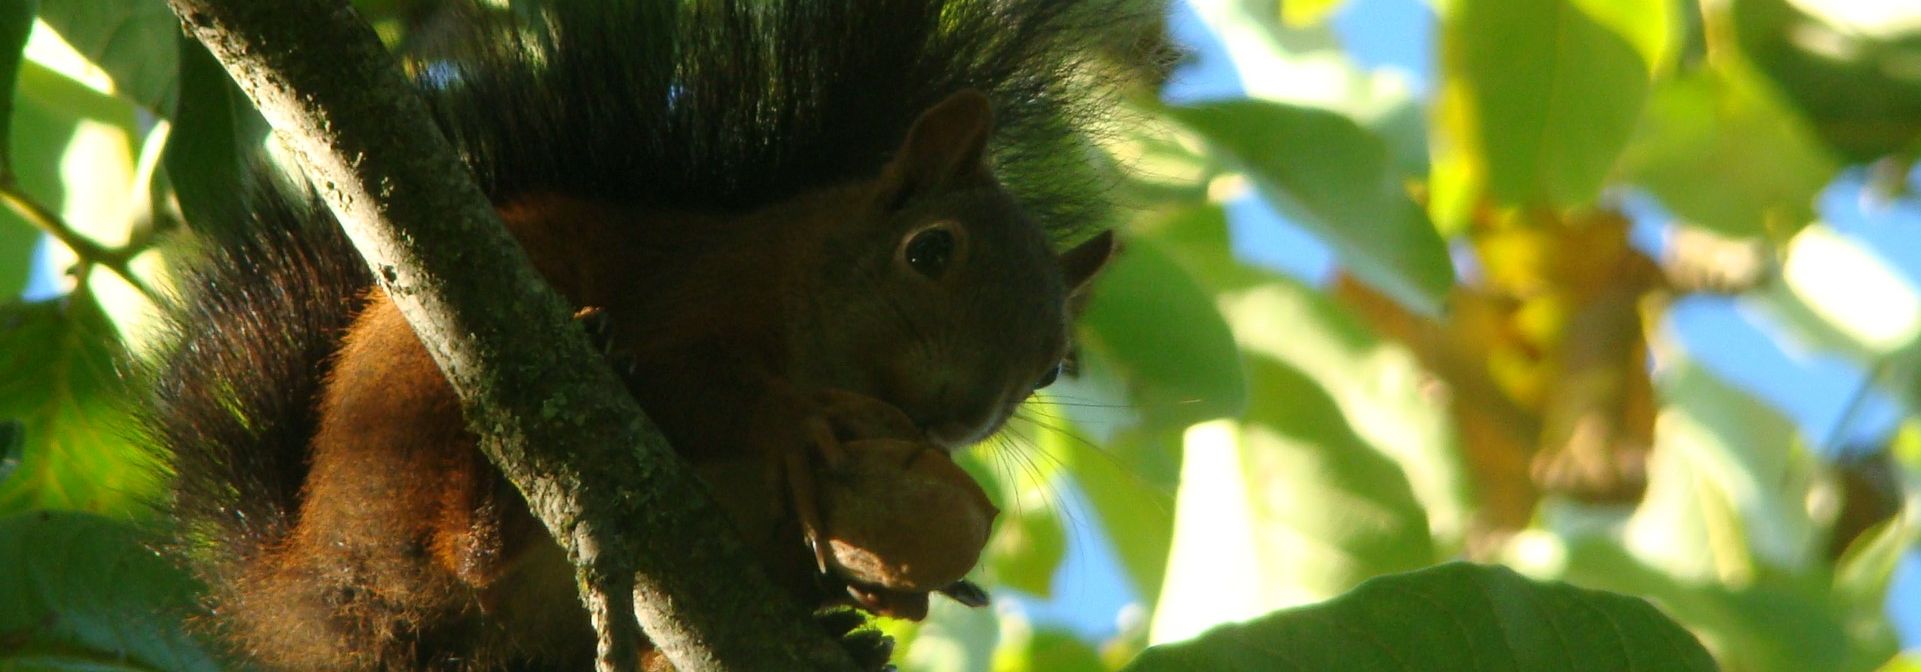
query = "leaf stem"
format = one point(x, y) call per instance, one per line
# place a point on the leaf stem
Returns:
point(90, 253)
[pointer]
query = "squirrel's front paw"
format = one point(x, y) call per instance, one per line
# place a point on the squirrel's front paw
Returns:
point(870, 648)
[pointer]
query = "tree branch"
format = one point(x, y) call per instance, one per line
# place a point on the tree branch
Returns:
point(550, 415)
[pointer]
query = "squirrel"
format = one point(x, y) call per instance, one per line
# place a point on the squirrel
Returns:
point(781, 216)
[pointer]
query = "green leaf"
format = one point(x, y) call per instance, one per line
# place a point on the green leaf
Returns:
point(1333, 177)
point(1326, 507)
point(1727, 485)
point(1375, 383)
point(84, 592)
point(1766, 623)
point(1451, 617)
point(1047, 650)
point(133, 40)
point(16, 22)
point(57, 377)
point(1286, 507)
point(1159, 332)
point(49, 113)
point(1857, 84)
point(1864, 571)
point(1027, 548)
point(1538, 98)
point(954, 638)
point(214, 130)
point(1720, 152)
point(1130, 481)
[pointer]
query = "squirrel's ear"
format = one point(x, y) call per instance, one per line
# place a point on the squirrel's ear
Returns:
point(947, 143)
point(1081, 264)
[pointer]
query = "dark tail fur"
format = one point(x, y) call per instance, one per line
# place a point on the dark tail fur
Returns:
point(234, 381)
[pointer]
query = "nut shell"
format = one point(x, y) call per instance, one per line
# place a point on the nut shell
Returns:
point(901, 516)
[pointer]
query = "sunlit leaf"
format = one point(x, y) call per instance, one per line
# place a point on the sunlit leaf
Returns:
point(85, 593)
point(133, 40)
point(1130, 481)
point(1377, 385)
point(1452, 617)
point(72, 152)
point(1308, 12)
point(57, 377)
point(1727, 485)
point(1163, 338)
point(1853, 289)
point(1334, 178)
point(1720, 152)
point(1538, 98)
point(1284, 508)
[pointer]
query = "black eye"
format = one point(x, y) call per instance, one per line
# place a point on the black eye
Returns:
point(1049, 377)
point(928, 251)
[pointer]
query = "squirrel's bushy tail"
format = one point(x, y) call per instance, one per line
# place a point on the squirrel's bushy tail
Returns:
point(236, 375)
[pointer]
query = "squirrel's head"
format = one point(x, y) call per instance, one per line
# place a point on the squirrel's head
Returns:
point(946, 300)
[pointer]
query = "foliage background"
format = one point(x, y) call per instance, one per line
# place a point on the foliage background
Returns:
point(1621, 293)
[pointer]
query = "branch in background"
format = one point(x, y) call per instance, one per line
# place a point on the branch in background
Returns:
point(550, 414)
point(45, 219)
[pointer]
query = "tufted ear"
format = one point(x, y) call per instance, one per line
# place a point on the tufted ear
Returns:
point(948, 143)
point(1081, 264)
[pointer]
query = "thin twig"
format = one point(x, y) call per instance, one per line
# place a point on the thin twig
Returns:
point(45, 219)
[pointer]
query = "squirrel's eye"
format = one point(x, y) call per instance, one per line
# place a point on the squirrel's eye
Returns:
point(928, 251)
point(1049, 377)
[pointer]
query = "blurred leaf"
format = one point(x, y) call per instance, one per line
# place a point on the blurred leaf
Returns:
point(214, 129)
point(1333, 177)
point(1163, 337)
point(1285, 508)
point(16, 22)
point(1377, 385)
point(1853, 289)
point(1906, 662)
point(1720, 152)
point(1861, 91)
point(1727, 485)
point(84, 592)
point(1325, 506)
point(1308, 12)
point(1451, 617)
point(1774, 623)
point(1865, 570)
point(1048, 650)
point(1130, 480)
point(952, 639)
point(65, 138)
point(133, 40)
point(1023, 475)
point(1027, 549)
point(1538, 98)
point(57, 377)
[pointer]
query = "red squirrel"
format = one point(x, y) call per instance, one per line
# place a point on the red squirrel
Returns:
point(788, 235)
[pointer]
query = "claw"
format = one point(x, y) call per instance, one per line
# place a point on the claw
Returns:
point(967, 593)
